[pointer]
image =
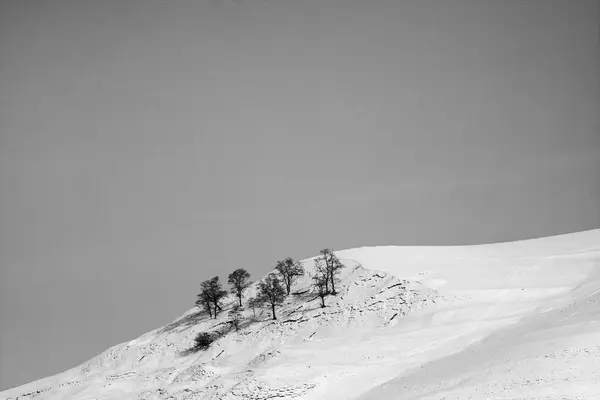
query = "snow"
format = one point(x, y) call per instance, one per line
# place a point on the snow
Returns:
point(517, 320)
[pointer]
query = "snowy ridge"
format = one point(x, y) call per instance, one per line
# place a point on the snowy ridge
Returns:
point(516, 320)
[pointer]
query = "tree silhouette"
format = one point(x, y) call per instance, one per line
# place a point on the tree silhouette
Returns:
point(289, 271)
point(321, 270)
point(320, 287)
point(271, 292)
point(214, 293)
point(238, 280)
point(204, 302)
point(332, 266)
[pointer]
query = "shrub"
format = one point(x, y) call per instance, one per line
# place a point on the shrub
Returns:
point(203, 340)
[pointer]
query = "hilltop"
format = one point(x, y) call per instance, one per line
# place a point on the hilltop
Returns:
point(503, 321)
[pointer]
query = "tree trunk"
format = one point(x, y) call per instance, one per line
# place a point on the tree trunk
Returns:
point(330, 272)
point(322, 301)
point(333, 292)
point(273, 308)
point(217, 308)
point(240, 297)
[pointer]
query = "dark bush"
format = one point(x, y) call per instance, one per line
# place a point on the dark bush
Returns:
point(203, 340)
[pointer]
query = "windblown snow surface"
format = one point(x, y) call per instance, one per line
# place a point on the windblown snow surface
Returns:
point(516, 320)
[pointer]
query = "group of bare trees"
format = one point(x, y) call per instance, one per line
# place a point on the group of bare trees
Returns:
point(212, 292)
point(211, 295)
point(273, 289)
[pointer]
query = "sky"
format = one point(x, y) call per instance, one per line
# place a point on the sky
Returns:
point(146, 146)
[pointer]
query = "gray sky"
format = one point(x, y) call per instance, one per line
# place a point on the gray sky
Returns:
point(148, 145)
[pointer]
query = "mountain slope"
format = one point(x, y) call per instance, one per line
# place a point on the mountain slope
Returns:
point(507, 320)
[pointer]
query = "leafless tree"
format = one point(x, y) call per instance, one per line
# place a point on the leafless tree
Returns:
point(238, 280)
point(289, 271)
point(321, 270)
point(320, 287)
point(254, 303)
point(332, 266)
point(271, 292)
point(235, 315)
point(214, 293)
point(204, 302)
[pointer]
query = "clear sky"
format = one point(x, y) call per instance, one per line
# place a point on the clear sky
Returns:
point(146, 146)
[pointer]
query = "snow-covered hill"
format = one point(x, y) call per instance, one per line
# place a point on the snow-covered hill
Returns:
point(516, 320)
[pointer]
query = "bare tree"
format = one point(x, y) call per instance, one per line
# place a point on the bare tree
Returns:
point(213, 291)
point(271, 292)
point(238, 280)
point(204, 302)
point(235, 315)
point(321, 270)
point(333, 267)
point(320, 287)
point(289, 271)
point(254, 303)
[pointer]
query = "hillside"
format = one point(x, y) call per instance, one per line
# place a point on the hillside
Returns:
point(515, 320)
